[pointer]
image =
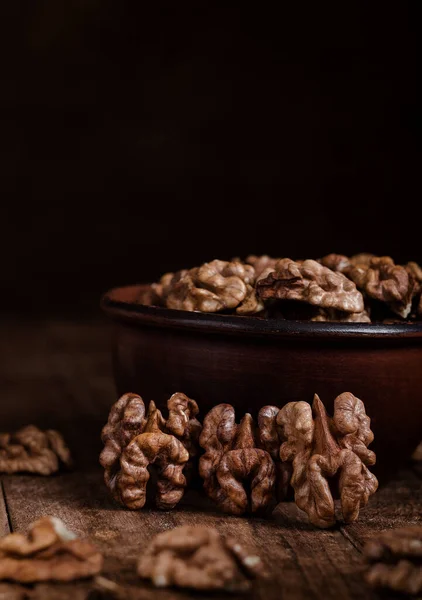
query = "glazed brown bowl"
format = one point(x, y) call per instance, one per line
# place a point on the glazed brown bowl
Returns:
point(250, 362)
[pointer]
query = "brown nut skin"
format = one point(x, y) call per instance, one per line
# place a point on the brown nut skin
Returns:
point(197, 557)
point(271, 438)
point(383, 280)
point(415, 271)
point(239, 466)
point(363, 258)
point(31, 450)
point(169, 455)
point(215, 286)
point(183, 424)
point(182, 421)
point(335, 262)
point(49, 552)
point(126, 420)
point(134, 441)
point(396, 557)
point(335, 316)
point(320, 449)
point(231, 460)
point(159, 292)
point(312, 283)
point(261, 263)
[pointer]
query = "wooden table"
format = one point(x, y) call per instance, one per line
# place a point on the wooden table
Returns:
point(58, 374)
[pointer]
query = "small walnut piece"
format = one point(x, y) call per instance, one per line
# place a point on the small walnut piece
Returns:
point(198, 557)
point(133, 441)
point(396, 557)
point(415, 271)
point(321, 448)
point(162, 289)
point(387, 282)
point(214, 286)
point(271, 438)
point(261, 263)
point(312, 283)
point(48, 552)
point(335, 262)
point(238, 475)
point(31, 450)
point(183, 424)
point(363, 258)
point(329, 315)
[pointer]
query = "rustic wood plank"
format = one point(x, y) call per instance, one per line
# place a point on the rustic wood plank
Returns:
point(4, 519)
point(302, 562)
point(58, 374)
point(417, 461)
point(395, 504)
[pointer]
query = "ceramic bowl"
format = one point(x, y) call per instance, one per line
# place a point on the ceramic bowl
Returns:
point(250, 362)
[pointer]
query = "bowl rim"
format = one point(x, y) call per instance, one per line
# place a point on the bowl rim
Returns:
point(156, 316)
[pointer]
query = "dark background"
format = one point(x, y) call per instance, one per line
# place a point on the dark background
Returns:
point(139, 139)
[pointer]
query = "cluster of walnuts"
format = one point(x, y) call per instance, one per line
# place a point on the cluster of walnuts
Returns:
point(361, 289)
point(197, 557)
point(31, 450)
point(246, 467)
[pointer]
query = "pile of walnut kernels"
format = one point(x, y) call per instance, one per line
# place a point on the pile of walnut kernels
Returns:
point(360, 289)
point(247, 467)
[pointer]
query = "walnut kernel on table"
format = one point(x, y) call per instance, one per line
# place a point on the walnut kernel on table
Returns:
point(238, 475)
point(200, 558)
point(31, 450)
point(48, 552)
point(396, 560)
point(312, 283)
point(134, 440)
point(323, 451)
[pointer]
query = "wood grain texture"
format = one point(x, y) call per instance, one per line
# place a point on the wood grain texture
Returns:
point(58, 374)
point(4, 519)
point(302, 562)
point(394, 505)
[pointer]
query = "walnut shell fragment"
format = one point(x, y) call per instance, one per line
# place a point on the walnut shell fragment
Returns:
point(396, 557)
point(134, 440)
point(48, 552)
point(312, 283)
point(31, 450)
point(199, 558)
point(383, 280)
point(238, 475)
point(324, 450)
